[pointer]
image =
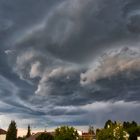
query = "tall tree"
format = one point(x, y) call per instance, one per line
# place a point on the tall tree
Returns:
point(114, 132)
point(28, 132)
point(12, 131)
point(66, 133)
point(45, 136)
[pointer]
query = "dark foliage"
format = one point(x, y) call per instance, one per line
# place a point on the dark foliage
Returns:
point(45, 136)
point(12, 131)
point(28, 132)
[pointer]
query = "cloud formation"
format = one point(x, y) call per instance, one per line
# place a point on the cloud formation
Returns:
point(123, 61)
point(70, 61)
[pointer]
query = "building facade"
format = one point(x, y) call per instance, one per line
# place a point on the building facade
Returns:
point(88, 136)
point(2, 134)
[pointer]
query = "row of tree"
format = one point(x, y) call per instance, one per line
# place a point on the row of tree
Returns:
point(62, 133)
point(111, 131)
point(12, 132)
point(118, 131)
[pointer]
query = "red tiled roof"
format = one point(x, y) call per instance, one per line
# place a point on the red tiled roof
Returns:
point(2, 131)
point(85, 133)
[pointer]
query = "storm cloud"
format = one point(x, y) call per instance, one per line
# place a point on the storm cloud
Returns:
point(69, 61)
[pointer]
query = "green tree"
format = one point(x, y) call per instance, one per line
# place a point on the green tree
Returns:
point(97, 131)
point(133, 129)
point(12, 131)
point(114, 132)
point(134, 124)
point(66, 133)
point(28, 132)
point(119, 133)
point(109, 123)
point(45, 136)
point(105, 134)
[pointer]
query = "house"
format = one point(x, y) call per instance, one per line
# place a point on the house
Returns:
point(88, 136)
point(2, 134)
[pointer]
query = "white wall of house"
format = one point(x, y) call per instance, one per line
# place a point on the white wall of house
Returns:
point(2, 137)
point(138, 138)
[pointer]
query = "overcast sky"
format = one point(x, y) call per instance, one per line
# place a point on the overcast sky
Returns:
point(69, 62)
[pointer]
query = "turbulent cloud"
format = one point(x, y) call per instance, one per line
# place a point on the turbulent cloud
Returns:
point(35, 70)
point(70, 61)
point(6, 86)
point(70, 27)
point(125, 60)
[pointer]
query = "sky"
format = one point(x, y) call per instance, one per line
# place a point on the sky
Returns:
point(69, 62)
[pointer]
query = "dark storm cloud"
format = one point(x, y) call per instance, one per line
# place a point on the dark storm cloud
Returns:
point(70, 24)
point(56, 60)
point(70, 27)
point(123, 86)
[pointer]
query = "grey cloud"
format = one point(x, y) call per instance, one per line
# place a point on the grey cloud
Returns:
point(133, 24)
point(97, 113)
point(6, 87)
point(73, 17)
point(51, 44)
point(112, 63)
point(117, 111)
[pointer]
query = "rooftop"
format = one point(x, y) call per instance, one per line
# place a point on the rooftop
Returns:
point(2, 131)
